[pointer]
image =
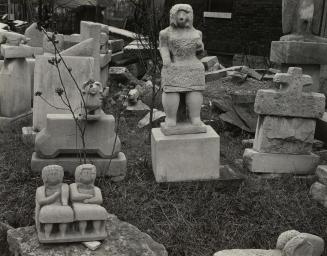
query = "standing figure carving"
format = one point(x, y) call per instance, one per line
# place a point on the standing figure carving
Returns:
point(182, 74)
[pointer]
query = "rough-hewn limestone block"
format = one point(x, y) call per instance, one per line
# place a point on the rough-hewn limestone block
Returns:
point(298, 52)
point(35, 35)
point(123, 239)
point(62, 137)
point(84, 48)
point(318, 192)
point(259, 162)
point(185, 157)
point(272, 102)
point(321, 172)
point(46, 81)
point(13, 52)
point(15, 88)
point(284, 135)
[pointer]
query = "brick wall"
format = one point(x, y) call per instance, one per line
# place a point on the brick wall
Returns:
point(254, 24)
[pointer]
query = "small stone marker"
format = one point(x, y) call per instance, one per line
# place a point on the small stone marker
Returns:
point(286, 125)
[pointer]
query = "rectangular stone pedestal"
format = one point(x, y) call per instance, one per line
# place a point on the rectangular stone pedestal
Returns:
point(259, 162)
point(185, 157)
point(117, 169)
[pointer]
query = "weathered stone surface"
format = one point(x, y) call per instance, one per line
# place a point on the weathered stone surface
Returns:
point(185, 157)
point(301, 19)
point(272, 102)
point(114, 168)
point(321, 172)
point(289, 100)
point(123, 240)
point(290, 243)
point(84, 48)
point(93, 30)
point(61, 136)
point(297, 52)
point(46, 81)
point(318, 192)
point(15, 88)
point(209, 61)
point(13, 52)
point(259, 162)
point(35, 35)
point(284, 135)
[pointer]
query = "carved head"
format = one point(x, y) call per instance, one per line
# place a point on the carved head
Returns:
point(85, 174)
point(52, 175)
point(181, 15)
point(92, 87)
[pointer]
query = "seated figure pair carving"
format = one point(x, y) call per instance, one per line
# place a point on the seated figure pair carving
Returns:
point(72, 212)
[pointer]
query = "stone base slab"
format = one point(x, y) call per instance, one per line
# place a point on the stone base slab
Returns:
point(182, 128)
point(259, 162)
point(185, 157)
point(116, 171)
point(28, 135)
point(297, 52)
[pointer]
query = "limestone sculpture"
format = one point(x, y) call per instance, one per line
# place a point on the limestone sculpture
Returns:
point(12, 38)
point(301, 20)
point(86, 199)
point(93, 94)
point(56, 220)
point(182, 73)
point(289, 243)
point(52, 204)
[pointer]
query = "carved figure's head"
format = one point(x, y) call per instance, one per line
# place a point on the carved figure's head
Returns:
point(85, 174)
point(52, 175)
point(92, 87)
point(181, 15)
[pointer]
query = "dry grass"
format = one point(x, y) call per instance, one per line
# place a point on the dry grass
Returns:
point(197, 218)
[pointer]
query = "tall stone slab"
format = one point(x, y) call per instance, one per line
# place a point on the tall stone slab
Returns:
point(286, 126)
point(15, 83)
point(93, 30)
point(47, 80)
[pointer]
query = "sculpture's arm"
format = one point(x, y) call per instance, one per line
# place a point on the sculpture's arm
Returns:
point(42, 199)
point(200, 48)
point(64, 194)
point(97, 199)
point(164, 49)
point(75, 196)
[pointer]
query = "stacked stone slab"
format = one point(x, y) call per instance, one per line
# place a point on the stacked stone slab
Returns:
point(15, 83)
point(318, 190)
point(286, 126)
point(60, 143)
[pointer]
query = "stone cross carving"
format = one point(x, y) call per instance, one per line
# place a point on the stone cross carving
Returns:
point(301, 20)
point(293, 81)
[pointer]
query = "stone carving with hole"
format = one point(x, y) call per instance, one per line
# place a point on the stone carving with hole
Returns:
point(56, 220)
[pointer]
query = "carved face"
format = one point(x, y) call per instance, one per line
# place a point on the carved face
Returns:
point(182, 19)
point(85, 174)
point(52, 175)
point(181, 15)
